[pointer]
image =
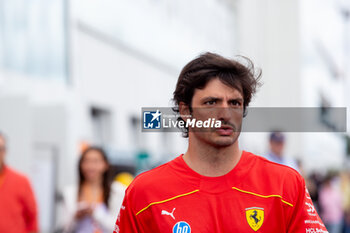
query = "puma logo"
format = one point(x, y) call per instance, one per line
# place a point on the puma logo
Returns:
point(164, 212)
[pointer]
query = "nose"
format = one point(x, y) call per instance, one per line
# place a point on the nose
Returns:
point(224, 113)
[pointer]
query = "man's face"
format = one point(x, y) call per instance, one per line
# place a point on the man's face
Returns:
point(277, 147)
point(2, 151)
point(222, 102)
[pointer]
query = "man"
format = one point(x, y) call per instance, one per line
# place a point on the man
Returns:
point(18, 212)
point(215, 186)
point(277, 143)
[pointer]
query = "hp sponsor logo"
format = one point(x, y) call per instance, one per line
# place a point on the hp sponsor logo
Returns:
point(181, 227)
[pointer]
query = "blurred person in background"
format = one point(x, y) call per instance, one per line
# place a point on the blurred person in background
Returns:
point(313, 184)
point(18, 210)
point(331, 203)
point(276, 153)
point(89, 207)
point(345, 189)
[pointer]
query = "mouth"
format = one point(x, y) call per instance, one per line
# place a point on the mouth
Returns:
point(225, 130)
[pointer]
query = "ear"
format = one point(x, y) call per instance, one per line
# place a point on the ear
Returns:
point(184, 110)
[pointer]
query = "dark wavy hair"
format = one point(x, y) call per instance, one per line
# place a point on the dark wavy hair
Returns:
point(198, 72)
point(106, 182)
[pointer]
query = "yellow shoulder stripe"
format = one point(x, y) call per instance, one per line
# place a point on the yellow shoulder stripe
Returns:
point(172, 198)
point(263, 196)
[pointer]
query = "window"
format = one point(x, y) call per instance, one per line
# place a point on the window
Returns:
point(33, 37)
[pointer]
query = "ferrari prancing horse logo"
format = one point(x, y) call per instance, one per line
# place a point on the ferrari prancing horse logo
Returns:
point(255, 217)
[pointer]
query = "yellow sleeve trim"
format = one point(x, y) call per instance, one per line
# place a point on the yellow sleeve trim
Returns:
point(159, 202)
point(263, 196)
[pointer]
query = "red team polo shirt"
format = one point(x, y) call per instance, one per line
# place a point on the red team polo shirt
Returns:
point(256, 196)
point(18, 212)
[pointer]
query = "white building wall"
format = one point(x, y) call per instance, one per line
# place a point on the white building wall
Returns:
point(122, 83)
point(269, 34)
point(120, 74)
point(128, 55)
point(274, 33)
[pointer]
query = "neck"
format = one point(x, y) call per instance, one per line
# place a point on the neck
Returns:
point(211, 161)
point(277, 155)
point(94, 182)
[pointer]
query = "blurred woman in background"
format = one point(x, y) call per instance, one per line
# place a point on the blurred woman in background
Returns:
point(93, 205)
point(330, 200)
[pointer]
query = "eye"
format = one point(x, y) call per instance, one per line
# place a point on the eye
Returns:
point(236, 103)
point(210, 102)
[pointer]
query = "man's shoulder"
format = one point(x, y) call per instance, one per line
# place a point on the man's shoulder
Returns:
point(270, 178)
point(153, 178)
point(157, 185)
point(19, 182)
point(15, 175)
point(270, 168)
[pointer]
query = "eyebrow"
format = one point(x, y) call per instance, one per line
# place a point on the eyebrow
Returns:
point(212, 98)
